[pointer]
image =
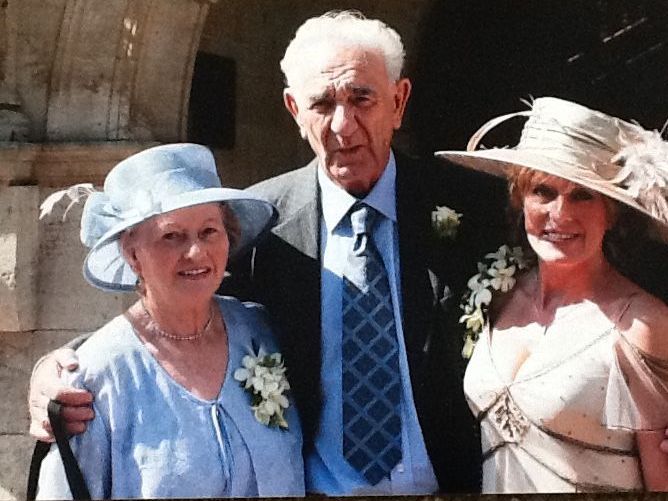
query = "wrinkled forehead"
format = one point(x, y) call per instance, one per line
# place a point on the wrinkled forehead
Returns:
point(340, 68)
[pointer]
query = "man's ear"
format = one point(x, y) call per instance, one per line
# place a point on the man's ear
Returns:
point(291, 105)
point(402, 92)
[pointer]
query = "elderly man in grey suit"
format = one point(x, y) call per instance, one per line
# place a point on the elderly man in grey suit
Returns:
point(362, 287)
point(347, 96)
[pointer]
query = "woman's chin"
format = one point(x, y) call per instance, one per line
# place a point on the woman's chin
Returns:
point(561, 258)
point(197, 289)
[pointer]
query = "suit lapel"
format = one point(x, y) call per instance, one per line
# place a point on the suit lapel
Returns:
point(301, 230)
point(300, 226)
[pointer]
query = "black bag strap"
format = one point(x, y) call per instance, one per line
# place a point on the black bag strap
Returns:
point(38, 454)
point(74, 477)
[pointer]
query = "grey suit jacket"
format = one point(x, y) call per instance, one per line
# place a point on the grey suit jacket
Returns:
point(283, 273)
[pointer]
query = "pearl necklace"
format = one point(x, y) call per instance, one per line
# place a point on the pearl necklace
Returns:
point(158, 330)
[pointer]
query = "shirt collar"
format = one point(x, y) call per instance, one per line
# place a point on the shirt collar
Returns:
point(336, 202)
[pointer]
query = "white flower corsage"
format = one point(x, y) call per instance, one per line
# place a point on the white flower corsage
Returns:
point(495, 273)
point(263, 377)
point(445, 222)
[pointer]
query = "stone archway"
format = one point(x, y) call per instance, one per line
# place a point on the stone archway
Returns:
point(100, 70)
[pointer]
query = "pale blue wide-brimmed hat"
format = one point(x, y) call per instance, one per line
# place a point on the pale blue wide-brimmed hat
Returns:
point(152, 182)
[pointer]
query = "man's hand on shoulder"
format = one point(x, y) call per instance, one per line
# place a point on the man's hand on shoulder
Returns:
point(45, 385)
point(664, 443)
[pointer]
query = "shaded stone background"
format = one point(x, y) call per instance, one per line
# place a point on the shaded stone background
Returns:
point(476, 59)
point(84, 83)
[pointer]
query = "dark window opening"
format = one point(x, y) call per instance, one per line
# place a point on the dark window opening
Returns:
point(212, 112)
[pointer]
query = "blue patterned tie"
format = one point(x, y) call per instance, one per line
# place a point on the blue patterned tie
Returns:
point(370, 360)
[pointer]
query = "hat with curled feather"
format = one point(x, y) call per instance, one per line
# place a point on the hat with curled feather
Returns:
point(149, 183)
point(619, 159)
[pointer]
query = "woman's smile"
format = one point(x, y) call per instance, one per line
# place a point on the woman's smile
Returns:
point(196, 273)
point(559, 236)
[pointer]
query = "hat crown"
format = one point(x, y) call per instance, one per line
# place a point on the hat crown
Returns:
point(143, 181)
point(575, 134)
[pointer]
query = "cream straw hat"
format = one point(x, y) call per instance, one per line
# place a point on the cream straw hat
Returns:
point(616, 158)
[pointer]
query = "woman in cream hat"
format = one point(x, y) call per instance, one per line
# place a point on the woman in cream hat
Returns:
point(569, 376)
point(175, 413)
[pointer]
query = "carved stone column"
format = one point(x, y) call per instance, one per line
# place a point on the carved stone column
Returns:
point(102, 69)
point(100, 78)
point(124, 68)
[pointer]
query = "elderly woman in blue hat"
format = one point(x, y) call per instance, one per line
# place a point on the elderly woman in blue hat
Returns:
point(191, 398)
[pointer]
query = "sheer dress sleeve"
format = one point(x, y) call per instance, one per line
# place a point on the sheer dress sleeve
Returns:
point(637, 393)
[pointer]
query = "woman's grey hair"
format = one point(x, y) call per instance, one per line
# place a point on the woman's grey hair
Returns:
point(344, 29)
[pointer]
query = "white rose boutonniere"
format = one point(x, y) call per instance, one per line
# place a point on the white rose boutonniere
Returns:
point(495, 273)
point(263, 377)
point(445, 222)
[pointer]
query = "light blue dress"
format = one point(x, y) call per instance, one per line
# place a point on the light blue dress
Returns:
point(153, 438)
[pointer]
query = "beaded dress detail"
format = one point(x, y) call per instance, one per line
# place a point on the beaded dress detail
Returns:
point(566, 421)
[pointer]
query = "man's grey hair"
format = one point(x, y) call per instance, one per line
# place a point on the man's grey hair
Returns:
point(343, 29)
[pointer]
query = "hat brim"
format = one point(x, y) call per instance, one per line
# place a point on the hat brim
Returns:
point(106, 269)
point(500, 161)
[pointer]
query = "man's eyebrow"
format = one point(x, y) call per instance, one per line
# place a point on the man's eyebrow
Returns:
point(357, 90)
point(313, 98)
point(362, 90)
